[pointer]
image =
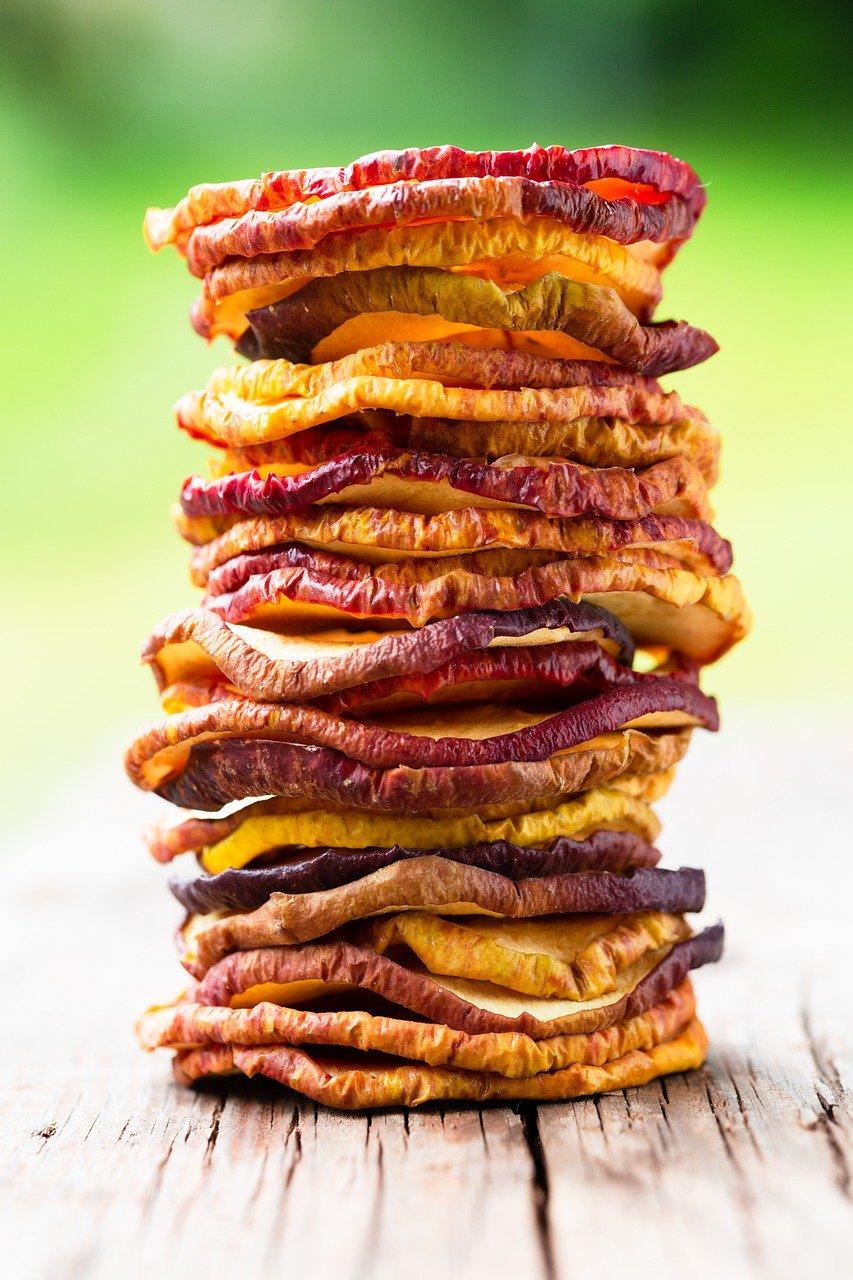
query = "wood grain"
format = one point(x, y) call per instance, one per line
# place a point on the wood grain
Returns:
point(743, 1168)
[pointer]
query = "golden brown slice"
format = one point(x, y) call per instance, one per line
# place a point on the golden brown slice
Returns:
point(298, 588)
point(375, 535)
point(441, 887)
point(267, 826)
point(510, 1054)
point(356, 1086)
point(638, 181)
point(552, 316)
point(269, 399)
point(593, 442)
point(505, 250)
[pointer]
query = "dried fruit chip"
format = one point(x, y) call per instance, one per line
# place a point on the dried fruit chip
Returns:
point(249, 404)
point(693, 614)
point(553, 316)
point(300, 870)
point(433, 483)
point(197, 645)
point(507, 1053)
point(311, 971)
point(593, 442)
point(262, 829)
point(459, 736)
point(378, 535)
point(509, 252)
point(614, 173)
point(438, 885)
point(216, 772)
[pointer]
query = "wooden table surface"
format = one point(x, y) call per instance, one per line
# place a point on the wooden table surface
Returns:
point(743, 1168)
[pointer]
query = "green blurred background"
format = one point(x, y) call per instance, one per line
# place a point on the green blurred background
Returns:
point(108, 106)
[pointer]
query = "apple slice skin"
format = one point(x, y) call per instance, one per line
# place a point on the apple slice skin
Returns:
point(433, 885)
point(344, 963)
point(389, 533)
point(579, 668)
point(593, 315)
point(217, 772)
point(599, 443)
point(309, 870)
point(302, 226)
point(509, 1054)
point(394, 656)
point(245, 405)
point(557, 489)
point(372, 742)
point(300, 581)
point(654, 175)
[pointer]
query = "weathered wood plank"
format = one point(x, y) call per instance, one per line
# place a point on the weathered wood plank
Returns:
point(744, 1168)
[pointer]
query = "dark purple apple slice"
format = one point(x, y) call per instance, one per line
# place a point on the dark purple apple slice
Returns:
point(304, 870)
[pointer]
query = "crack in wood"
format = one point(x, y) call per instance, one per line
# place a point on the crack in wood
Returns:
point(528, 1113)
point(213, 1132)
point(150, 1197)
point(723, 1130)
point(827, 1120)
point(365, 1265)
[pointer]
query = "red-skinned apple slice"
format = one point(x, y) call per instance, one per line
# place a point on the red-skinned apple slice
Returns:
point(198, 645)
point(301, 870)
point(462, 736)
point(433, 483)
point(183, 1025)
point(684, 612)
point(304, 225)
point(554, 316)
point(268, 400)
point(381, 536)
point(234, 980)
point(569, 672)
point(438, 886)
point(614, 173)
point(217, 771)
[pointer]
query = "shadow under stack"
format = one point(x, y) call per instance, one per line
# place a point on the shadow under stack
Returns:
point(459, 583)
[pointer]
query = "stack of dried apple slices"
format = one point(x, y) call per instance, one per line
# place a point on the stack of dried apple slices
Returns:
point(459, 581)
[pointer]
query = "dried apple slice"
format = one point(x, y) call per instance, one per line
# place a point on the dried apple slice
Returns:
point(561, 674)
point(438, 886)
point(197, 645)
point(300, 870)
point(569, 673)
point(692, 614)
point(592, 442)
point(564, 957)
point(433, 483)
point(461, 736)
point(623, 175)
point(249, 404)
point(211, 774)
point(304, 224)
point(504, 250)
point(183, 1025)
point(358, 1086)
point(377, 535)
point(330, 318)
point(303, 974)
point(276, 827)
